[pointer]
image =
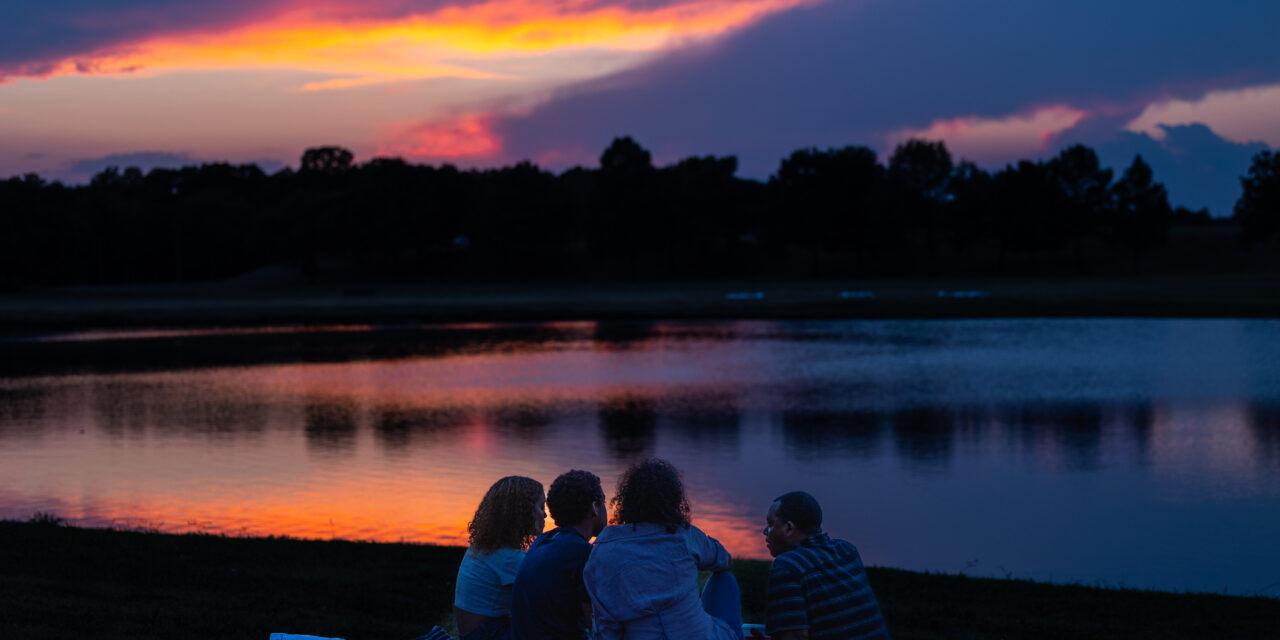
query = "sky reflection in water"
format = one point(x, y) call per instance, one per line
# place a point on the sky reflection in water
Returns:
point(1144, 453)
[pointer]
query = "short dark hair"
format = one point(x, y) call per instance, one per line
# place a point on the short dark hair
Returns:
point(651, 491)
point(800, 508)
point(571, 496)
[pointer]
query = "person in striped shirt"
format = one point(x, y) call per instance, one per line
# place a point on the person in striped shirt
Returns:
point(818, 589)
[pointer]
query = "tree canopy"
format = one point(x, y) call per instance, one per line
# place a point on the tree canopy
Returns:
point(824, 213)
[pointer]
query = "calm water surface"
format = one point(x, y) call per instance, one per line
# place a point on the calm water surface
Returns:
point(1142, 453)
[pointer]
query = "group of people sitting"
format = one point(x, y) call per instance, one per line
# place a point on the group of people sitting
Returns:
point(639, 580)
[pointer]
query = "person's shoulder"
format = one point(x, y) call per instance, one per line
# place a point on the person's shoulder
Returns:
point(791, 561)
point(562, 543)
point(504, 557)
point(814, 554)
point(840, 543)
point(691, 531)
point(542, 540)
point(844, 551)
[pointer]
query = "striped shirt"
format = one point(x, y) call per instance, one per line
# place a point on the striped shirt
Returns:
point(820, 585)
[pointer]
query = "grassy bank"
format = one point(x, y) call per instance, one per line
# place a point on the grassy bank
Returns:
point(226, 305)
point(61, 582)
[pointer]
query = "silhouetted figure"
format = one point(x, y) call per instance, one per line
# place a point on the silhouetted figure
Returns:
point(818, 587)
point(643, 573)
point(509, 517)
point(549, 600)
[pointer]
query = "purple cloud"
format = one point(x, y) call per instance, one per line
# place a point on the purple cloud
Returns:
point(851, 72)
point(80, 171)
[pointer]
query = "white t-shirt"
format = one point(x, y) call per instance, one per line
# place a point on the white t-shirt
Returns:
point(484, 581)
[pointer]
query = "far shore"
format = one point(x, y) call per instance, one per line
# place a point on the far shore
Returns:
point(62, 582)
point(37, 310)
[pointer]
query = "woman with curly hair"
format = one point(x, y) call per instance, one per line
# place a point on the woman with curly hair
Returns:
point(509, 517)
point(642, 575)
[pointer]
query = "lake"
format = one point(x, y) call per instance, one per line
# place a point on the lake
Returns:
point(1137, 453)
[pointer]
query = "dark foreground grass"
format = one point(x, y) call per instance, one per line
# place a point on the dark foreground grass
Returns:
point(62, 582)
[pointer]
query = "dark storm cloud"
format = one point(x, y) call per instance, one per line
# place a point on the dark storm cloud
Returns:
point(851, 71)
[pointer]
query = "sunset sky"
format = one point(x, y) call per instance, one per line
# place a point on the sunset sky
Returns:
point(1192, 86)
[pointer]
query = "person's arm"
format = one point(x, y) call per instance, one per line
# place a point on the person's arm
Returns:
point(786, 610)
point(707, 552)
point(467, 621)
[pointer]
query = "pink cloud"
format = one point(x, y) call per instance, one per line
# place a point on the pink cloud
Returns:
point(1244, 115)
point(997, 140)
point(468, 137)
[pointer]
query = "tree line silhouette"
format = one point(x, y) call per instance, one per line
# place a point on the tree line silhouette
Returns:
point(825, 213)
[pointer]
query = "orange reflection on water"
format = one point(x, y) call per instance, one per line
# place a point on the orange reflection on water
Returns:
point(404, 449)
point(431, 503)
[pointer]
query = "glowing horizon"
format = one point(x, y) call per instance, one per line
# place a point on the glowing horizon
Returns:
point(425, 85)
point(489, 83)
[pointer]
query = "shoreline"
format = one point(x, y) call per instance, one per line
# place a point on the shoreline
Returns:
point(62, 581)
point(218, 305)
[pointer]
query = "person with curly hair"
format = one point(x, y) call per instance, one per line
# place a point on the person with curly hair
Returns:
point(549, 601)
point(642, 575)
point(509, 517)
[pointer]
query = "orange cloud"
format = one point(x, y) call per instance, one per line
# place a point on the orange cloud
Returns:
point(998, 139)
point(454, 41)
point(469, 136)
